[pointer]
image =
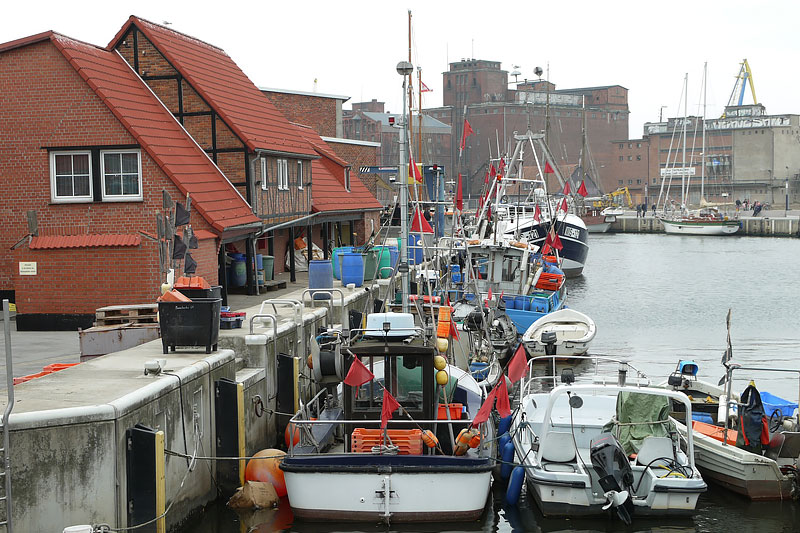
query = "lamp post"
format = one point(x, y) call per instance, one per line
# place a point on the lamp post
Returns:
point(404, 68)
point(786, 188)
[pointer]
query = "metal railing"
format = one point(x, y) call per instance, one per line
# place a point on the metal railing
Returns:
point(328, 302)
point(640, 379)
point(6, 460)
point(297, 318)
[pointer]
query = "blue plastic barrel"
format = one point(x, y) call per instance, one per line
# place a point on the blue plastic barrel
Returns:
point(352, 268)
point(337, 273)
point(237, 273)
point(394, 255)
point(522, 302)
point(259, 262)
point(320, 276)
point(510, 303)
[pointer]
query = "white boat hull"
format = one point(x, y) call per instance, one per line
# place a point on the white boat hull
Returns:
point(691, 227)
point(438, 494)
point(574, 331)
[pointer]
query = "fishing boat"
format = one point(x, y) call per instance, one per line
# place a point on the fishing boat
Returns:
point(603, 446)
point(765, 471)
point(570, 332)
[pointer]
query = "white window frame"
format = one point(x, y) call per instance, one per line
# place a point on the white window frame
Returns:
point(283, 174)
point(263, 173)
point(70, 199)
point(120, 197)
point(300, 174)
point(347, 179)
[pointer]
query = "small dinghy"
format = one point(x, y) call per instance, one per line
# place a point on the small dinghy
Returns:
point(573, 333)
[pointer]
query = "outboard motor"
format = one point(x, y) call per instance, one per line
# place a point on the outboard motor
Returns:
point(616, 477)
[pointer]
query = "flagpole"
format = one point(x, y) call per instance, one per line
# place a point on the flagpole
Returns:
point(405, 69)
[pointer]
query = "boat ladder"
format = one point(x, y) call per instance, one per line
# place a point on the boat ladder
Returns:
point(6, 522)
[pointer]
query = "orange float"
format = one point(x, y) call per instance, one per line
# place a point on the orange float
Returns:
point(265, 467)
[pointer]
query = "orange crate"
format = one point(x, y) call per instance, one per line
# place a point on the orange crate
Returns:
point(408, 440)
point(455, 411)
point(550, 259)
point(550, 282)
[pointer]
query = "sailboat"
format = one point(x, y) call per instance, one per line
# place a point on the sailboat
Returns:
point(706, 220)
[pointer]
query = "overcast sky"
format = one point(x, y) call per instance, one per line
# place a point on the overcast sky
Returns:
point(351, 48)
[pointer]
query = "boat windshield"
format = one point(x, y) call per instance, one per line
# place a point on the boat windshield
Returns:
point(404, 381)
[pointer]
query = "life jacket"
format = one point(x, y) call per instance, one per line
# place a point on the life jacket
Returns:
point(753, 424)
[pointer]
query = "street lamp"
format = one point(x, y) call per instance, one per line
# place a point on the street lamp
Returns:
point(404, 68)
point(786, 212)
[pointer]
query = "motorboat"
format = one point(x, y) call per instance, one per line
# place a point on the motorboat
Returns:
point(573, 332)
point(604, 446)
point(347, 467)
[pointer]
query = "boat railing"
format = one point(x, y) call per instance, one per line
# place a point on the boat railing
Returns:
point(303, 421)
point(638, 377)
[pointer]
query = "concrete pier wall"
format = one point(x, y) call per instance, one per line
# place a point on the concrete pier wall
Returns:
point(754, 226)
point(68, 430)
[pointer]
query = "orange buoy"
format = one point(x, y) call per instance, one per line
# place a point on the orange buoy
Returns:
point(475, 441)
point(463, 440)
point(292, 435)
point(429, 439)
point(265, 467)
point(310, 362)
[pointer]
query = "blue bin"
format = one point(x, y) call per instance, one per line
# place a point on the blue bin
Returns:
point(510, 303)
point(259, 262)
point(773, 403)
point(237, 270)
point(414, 249)
point(337, 264)
point(703, 417)
point(352, 268)
point(320, 276)
point(539, 304)
point(479, 371)
point(522, 302)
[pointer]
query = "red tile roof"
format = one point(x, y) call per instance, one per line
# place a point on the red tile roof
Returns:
point(327, 180)
point(159, 134)
point(45, 242)
point(217, 78)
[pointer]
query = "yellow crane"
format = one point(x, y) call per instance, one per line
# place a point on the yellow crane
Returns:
point(614, 199)
point(743, 79)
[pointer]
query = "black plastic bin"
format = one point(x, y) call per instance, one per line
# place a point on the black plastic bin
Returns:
point(213, 292)
point(194, 323)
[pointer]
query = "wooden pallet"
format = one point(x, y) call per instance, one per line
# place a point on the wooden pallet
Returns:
point(274, 285)
point(124, 314)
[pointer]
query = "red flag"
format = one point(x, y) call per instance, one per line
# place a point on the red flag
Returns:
point(424, 88)
point(390, 405)
point(553, 240)
point(486, 409)
point(563, 205)
point(518, 365)
point(358, 374)
point(501, 165)
point(459, 195)
point(413, 170)
point(546, 247)
point(492, 171)
point(582, 190)
point(467, 132)
point(557, 242)
point(419, 224)
point(567, 190)
point(486, 179)
point(547, 168)
point(537, 215)
point(453, 329)
point(503, 403)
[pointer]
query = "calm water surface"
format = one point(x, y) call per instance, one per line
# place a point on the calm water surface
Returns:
point(655, 299)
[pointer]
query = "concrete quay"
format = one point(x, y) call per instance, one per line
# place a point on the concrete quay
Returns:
point(764, 225)
point(69, 449)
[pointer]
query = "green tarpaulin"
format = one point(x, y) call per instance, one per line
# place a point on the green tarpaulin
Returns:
point(639, 416)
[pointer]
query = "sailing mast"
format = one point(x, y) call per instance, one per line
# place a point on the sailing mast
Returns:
point(683, 164)
point(703, 153)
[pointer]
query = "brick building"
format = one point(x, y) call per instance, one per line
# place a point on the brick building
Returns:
point(86, 151)
point(496, 111)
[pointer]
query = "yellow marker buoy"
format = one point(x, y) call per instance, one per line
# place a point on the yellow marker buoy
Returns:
point(442, 344)
point(441, 377)
point(439, 362)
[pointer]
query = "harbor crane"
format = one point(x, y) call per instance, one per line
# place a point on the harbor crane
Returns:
point(743, 78)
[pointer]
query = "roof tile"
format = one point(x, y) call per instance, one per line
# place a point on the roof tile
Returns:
point(47, 242)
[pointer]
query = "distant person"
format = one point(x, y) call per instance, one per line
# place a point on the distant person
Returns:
point(638, 210)
point(738, 205)
point(746, 204)
point(756, 208)
point(644, 209)
point(654, 210)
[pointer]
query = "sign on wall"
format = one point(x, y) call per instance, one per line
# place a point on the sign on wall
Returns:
point(27, 268)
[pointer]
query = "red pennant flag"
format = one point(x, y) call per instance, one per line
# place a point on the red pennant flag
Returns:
point(567, 190)
point(390, 405)
point(537, 215)
point(413, 170)
point(563, 205)
point(459, 195)
point(503, 403)
point(492, 171)
point(485, 410)
point(501, 166)
point(547, 168)
point(419, 224)
point(553, 240)
point(453, 329)
point(358, 374)
point(582, 190)
point(424, 88)
point(486, 179)
point(546, 247)
point(518, 365)
point(467, 132)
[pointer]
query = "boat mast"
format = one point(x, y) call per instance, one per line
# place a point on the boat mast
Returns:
point(683, 164)
point(703, 153)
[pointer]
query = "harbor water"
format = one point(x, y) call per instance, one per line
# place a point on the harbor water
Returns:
point(655, 299)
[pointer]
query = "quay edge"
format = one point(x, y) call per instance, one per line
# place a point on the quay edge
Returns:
point(762, 226)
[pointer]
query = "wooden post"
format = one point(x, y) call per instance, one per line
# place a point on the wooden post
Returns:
point(292, 270)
